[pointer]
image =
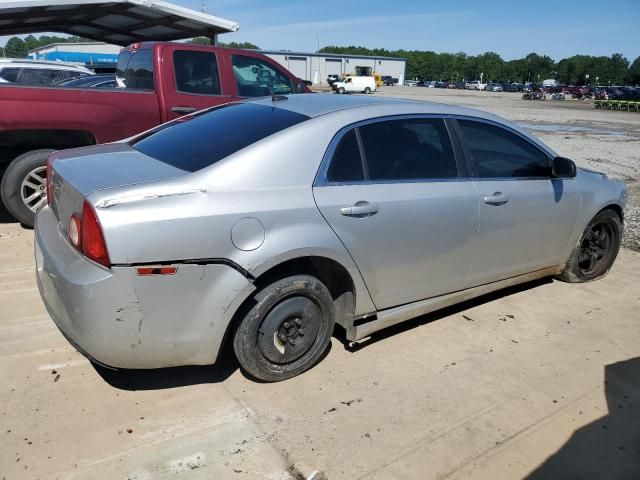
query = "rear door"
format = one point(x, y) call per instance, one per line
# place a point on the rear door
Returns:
point(526, 217)
point(392, 192)
point(193, 80)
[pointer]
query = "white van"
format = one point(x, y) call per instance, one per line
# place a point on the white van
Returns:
point(355, 84)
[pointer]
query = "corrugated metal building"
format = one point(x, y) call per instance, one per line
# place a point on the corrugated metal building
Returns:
point(80, 52)
point(315, 67)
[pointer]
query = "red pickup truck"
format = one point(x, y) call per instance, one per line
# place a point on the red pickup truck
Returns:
point(160, 81)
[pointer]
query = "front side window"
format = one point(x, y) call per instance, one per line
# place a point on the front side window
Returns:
point(257, 78)
point(408, 149)
point(497, 153)
point(346, 164)
point(196, 72)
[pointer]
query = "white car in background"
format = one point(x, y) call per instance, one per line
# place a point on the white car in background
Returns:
point(476, 85)
point(355, 84)
point(35, 72)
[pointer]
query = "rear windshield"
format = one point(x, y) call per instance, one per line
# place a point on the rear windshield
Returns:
point(196, 142)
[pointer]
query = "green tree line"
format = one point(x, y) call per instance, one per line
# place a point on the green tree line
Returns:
point(574, 70)
point(16, 47)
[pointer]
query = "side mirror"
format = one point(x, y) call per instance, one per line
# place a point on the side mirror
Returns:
point(563, 168)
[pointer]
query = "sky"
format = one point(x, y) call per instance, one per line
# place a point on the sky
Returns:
point(510, 28)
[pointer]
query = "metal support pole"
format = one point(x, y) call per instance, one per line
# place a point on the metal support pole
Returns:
point(214, 39)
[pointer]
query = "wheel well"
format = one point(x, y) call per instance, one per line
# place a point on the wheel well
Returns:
point(336, 278)
point(616, 208)
point(17, 142)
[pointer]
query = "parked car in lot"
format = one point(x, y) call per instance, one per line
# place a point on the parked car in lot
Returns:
point(90, 81)
point(161, 81)
point(509, 87)
point(355, 84)
point(389, 80)
point(266, 222)
point(476, 85)
point(31, 72)
point(493, 87)
point(411, 83)
point(331, 79)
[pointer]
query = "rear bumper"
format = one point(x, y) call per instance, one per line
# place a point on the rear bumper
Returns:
point(121, 320)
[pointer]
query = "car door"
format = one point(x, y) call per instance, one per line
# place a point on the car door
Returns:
point(392, 192)
point(194, 83)
point(526, 216)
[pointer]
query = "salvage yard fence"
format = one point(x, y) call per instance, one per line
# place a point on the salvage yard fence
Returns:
point(624, 105)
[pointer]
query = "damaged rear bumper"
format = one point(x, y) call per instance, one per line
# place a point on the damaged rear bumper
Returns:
point(123, 320)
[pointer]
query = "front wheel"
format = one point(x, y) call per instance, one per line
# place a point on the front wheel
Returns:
point(598, 248)
point(287, 329)
point(341, 90)
point(23, 186)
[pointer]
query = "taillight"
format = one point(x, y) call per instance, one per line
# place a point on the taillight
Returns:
point(93, 244)
point(85, 233)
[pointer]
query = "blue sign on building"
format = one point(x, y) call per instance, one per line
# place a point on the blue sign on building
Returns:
point(79, 57)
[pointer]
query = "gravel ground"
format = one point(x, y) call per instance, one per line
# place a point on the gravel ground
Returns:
point(606, 141)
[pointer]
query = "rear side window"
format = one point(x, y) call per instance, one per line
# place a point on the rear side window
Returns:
point(135, 70)
point(195, 142)
point(40, 76)
point(497, 153)
point(346, 164)
point(257, 78)
point(9, 74)
point(196, 72)
point(408, 149)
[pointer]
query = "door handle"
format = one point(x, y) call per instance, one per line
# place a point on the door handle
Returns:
point(361, 209)
point(497, 199)
point(183, 110)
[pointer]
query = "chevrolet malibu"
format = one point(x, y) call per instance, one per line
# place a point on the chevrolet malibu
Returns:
point(265, 223)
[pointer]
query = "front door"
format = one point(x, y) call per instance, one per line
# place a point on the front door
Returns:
point(393, 195)
point(526, 217)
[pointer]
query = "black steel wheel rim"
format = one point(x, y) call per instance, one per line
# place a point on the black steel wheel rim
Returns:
point(596, 249)
point(289, 329)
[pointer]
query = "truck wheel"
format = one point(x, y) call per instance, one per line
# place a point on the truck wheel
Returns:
point(598, 248)
point(367, 90)
point(287, 330)
point(341, 90)
point(23, 186)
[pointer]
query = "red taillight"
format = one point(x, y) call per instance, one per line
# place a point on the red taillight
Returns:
point(91, 237)
point(85, 233)
point(49, 190)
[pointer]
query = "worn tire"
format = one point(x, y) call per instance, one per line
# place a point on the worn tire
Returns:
point(12, 179)
point(257, 339)
point(573, 273)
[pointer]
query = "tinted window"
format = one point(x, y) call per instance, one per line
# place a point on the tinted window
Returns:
point(346, 164)
point(9, 74)
point(40, 76)
point(408, 149)
point(257, 78)
point(195, 142)
point(498, 153)
point(135, 70)
point(196, 72)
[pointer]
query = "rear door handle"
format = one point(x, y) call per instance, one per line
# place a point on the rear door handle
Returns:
point(497, 199)
point(360, 209)
point(183, 110)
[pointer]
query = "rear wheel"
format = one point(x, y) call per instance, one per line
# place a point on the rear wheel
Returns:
point(287, 330)
point(598, 248)
point(23, 186)
point(367, 90)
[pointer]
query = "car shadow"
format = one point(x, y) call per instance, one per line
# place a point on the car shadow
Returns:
point(5, 216)
point(174, 377)
point(350, 346)
point(608, 448)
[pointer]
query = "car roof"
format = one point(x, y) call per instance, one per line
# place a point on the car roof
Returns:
point(317, 104)
point(22, 63)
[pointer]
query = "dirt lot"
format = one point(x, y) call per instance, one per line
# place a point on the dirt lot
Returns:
point(540, 381)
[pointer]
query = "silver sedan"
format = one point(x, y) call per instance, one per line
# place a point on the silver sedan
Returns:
point(264, 223)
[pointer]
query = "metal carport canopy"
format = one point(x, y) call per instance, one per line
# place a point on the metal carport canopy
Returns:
point(120, 22)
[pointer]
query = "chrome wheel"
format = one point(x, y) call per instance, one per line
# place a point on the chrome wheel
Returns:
point(33, 189)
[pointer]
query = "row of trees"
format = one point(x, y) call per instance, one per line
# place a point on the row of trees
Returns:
point(533, 68)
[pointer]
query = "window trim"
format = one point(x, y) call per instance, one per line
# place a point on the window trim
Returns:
point(321, 179)
point(471, 167)
point(175, 78)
